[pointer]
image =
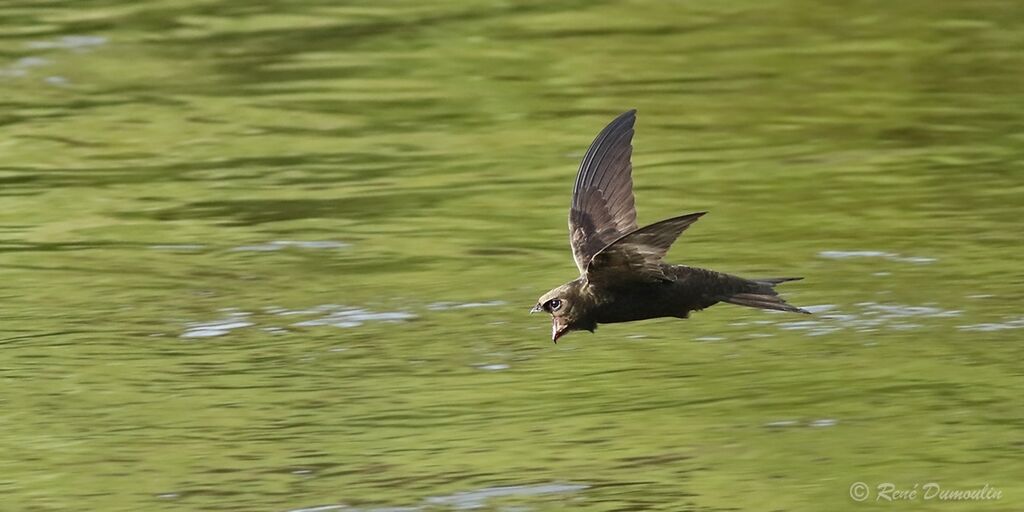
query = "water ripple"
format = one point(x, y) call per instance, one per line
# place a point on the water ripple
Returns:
point(278, 245)
point(354, 317)
point(467, 500)
point(333, 315)
point(842, 255)
point(1017, 323)
point(478, 499)
point(443, 306)
point(73, 42)
point(869, 316)
point(234, 320)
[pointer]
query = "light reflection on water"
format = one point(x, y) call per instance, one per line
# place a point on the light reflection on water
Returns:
point(1017, 323)
point(866, 317)
point(839, 255)
point(332, 315)
point(466, 500)
point(278, 245)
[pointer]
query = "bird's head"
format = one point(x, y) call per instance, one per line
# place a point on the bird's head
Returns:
point(569, 309)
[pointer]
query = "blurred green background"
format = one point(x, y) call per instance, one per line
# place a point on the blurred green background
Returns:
point(278, 255)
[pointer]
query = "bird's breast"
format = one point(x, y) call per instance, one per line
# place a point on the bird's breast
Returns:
point(643, 301)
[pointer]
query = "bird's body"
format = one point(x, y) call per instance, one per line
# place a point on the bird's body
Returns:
point(688, 289)
point(622, 275)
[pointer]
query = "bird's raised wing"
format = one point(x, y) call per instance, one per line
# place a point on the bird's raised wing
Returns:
point(637, 256)
point(602, 200)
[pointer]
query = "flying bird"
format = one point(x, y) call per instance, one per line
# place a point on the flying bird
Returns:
point(622, 275)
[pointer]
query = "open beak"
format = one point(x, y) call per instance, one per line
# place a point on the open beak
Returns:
point(557, 329)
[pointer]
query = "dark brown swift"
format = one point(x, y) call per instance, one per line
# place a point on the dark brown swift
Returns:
point(622, 275)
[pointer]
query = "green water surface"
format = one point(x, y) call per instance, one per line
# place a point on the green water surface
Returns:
point(278, 256)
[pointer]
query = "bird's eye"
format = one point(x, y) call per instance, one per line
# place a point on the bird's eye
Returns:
point(555, 304)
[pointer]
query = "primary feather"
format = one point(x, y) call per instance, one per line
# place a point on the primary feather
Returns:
point(602, 208)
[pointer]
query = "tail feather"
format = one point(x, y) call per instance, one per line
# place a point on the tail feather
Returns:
point(772, 281)
point(761, 294)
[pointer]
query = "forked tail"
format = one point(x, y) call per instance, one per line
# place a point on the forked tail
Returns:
point(760, 293)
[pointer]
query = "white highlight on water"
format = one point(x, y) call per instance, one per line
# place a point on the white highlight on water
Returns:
point(891, 256)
